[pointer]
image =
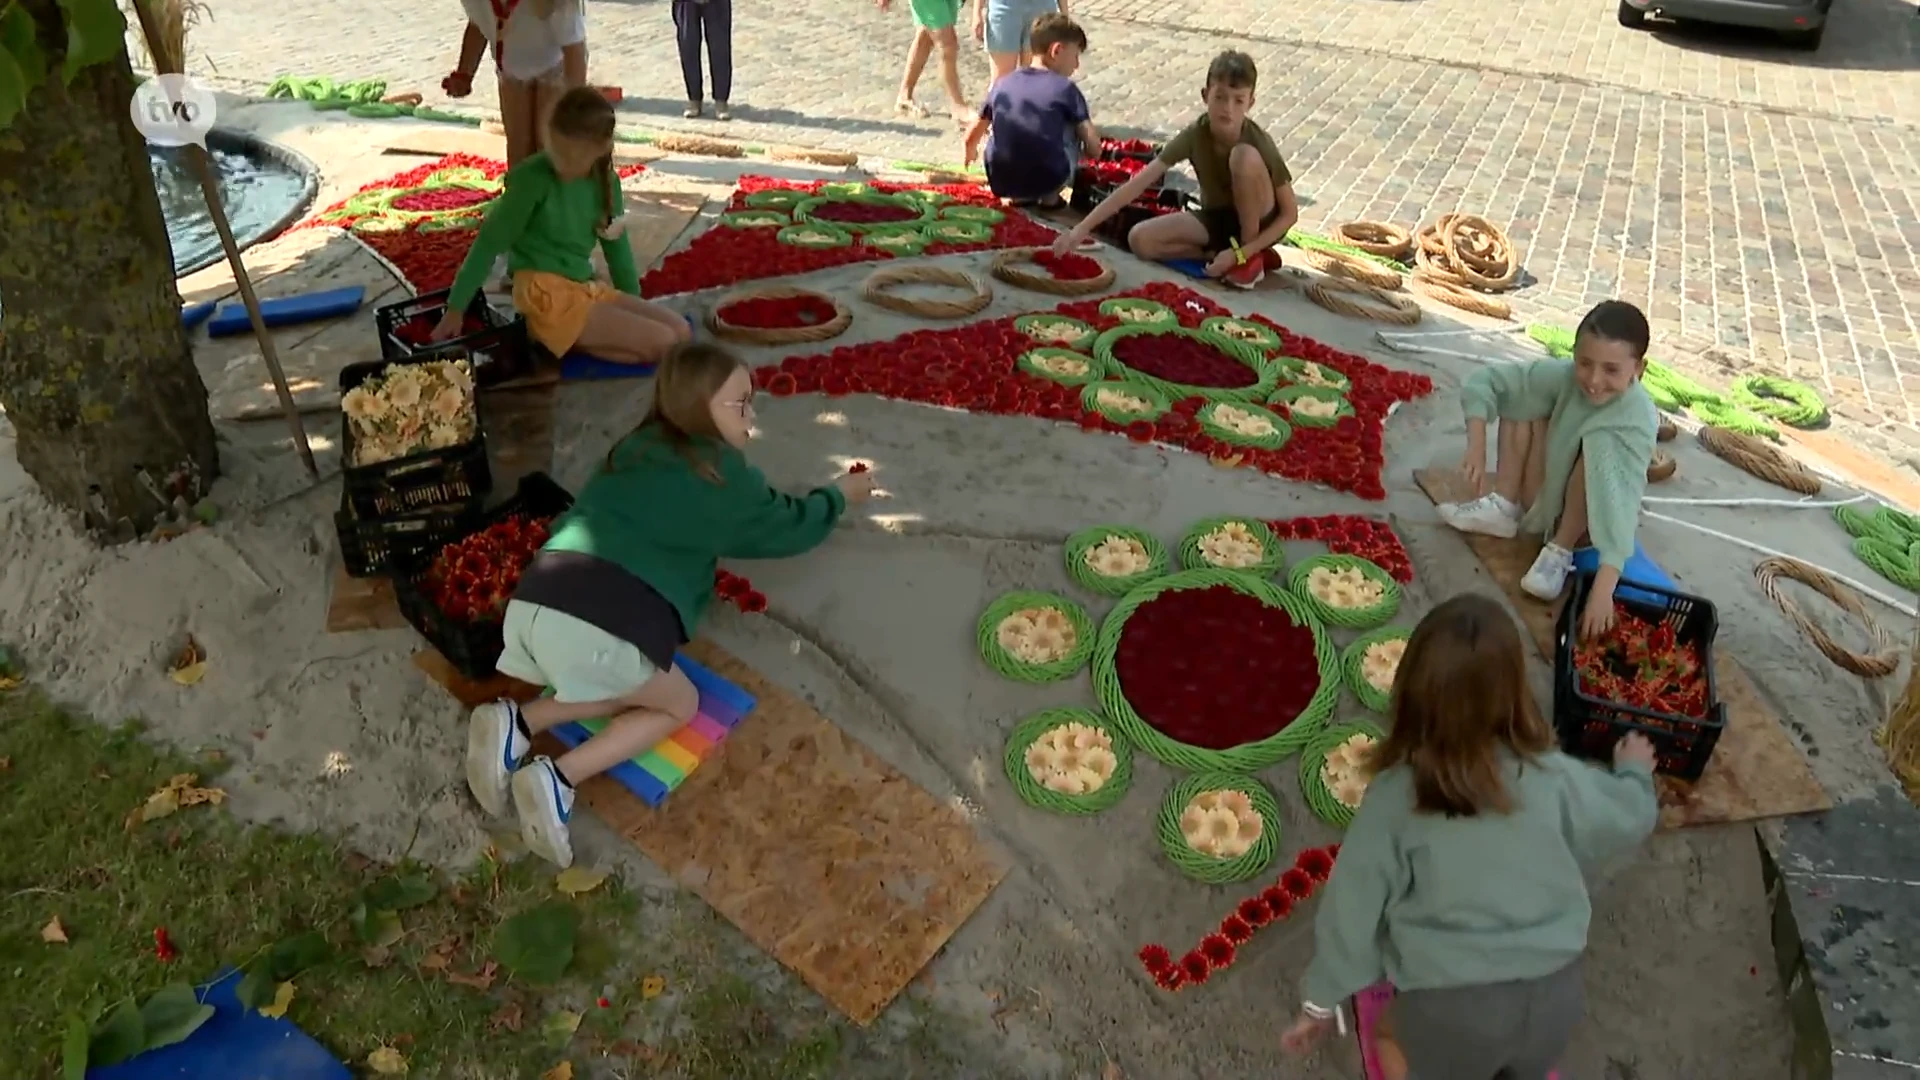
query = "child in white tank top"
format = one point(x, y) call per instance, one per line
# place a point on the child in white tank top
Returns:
point(539, 51)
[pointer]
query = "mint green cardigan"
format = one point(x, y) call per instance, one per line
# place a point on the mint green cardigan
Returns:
point(1616, 440)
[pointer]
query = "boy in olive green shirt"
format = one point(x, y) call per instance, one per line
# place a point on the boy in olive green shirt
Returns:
point(1246, 192)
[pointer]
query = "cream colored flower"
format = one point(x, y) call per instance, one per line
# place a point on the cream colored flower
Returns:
point(1232, 546)
point(358, 404)
point(1313, 374)
point(1346, 587)
point(1061, 365)
point(1122, 402)
point(1073, 759)
point(1381, 662)
point(402, 387)
point(1053, 330)
point(1320, 408)
point(1037, 635)
point(1118, 556)
point(1243, 422)
point(1222, 823)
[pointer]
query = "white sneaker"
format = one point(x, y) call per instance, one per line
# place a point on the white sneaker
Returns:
point(495, 745)
point(1492, 514)
point(1548, 574)
point(545, 804)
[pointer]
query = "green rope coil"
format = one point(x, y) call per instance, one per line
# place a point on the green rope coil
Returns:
point(1313, 781)
point(846, 189)
point(1558, 341)
point(1272, 555)
point(1145, 312)
point(1307, 241)
point(946, 231)
point(381, 223)
point(755, 219)
point(1006, 664)
point(809, 207)
point(1293, 370)
point(1898, 564)
point(1029, 363)
point(1276, 440)
point(1265, 377)
point(1157, 405)
point(781, 199)
point(1247, 757)
point(1028, 324)
point(1034, 794)
point(1084, 541)
point(1722, 414)
point(1882, 521)
point(799, 235)
point(463, 175)
point(1353, 664)
point(378, 110)
point(983, 215)
point(1351, 618)
point(441, 116)
point(896, 239)
point(1245, 331)
point(1792, 403)
point(1287, 395)
point(923, 195)
point(1853, 521)
point(1666, 382)
point(442, 224)
point(1205, 867)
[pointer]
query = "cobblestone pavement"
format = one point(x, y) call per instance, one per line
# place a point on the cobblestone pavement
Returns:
point(1762, 204)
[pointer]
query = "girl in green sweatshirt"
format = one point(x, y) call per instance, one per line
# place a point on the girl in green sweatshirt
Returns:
point(622, 584)
point(1462, 879)
point(1576, 437)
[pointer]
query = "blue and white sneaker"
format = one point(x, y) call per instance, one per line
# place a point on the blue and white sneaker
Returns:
point(545, 804)
point(496, 743)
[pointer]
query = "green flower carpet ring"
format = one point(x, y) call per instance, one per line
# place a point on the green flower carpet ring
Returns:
point(1351, 618)
point(1353, 666)
point(1245, 331)
point(1247, 757)
point(1724, 414)
point(1157, 404)
point(1287, 395)
point(983, 215)
point(1036, 795)
point(1018, 670)
point(1274, 441)
point(1900, 565)
point(1272, 555)
point(898, 240)
point(441, 224)
point(381, 223)
point(462, 174)
point(1030, 361)
point(1047, 329)
point(1205, 867)
point(846, 189)
point(1266, 378)
point(808, 210)
point(927, 196)
point(1313, 782)
point(1080, 543)
point(1792, 403)
point(1293, 371)
point(950, 231)
point(782, 199)
point(1135, 311)
point(755, 219)
point(815, 234)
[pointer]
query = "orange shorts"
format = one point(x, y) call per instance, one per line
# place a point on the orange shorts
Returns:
point(556, 307)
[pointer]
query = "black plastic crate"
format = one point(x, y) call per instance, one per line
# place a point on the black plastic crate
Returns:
point(1151, 205)
point(1110, 150)
point(472, 648)
point(374, 546)
point(1589, 726)
point(499, 352)
point(449, 476)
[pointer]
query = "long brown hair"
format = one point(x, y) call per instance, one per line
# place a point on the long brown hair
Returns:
point(583, 113)
point(682, 411)
point(1459, 697)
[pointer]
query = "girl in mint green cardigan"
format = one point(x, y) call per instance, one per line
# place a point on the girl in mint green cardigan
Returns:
point(1576, 437)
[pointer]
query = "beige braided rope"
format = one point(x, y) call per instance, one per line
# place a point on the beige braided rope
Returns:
point(1662, 467)
point(778, 335)
point(1667, 431)
point(1010, 266)
point(1759, 459)
point(1460, 296)
point(1353, 268)
point(1480, 252)
point(881, 281)
point(678, 143)
point(1884, 660)
point(842, 158)
point(1382, 238)
point(1363, 302)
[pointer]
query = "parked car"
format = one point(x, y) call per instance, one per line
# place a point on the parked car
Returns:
point(1801, 22)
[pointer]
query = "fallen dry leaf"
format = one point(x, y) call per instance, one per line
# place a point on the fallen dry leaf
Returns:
point(479, 980)
point(53, 933)
point(440, 957)
point(178, 794)
point(578, 880)
point(6, 763)
point(189, 665)
point(559, 1028)
point(632, 1051)
point(277, 1008)
point(562, 1071)
point(509, 1017)
point(387, 1062)
point(376, 956)
point(652, 987)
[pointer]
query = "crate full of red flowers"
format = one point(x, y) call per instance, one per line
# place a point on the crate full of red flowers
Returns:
point(457, 596)
point(497, 344)
point(1651, 673)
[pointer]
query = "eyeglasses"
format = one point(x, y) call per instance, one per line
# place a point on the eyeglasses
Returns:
point(745, 406)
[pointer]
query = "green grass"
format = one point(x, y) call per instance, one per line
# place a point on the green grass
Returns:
point(225, 892)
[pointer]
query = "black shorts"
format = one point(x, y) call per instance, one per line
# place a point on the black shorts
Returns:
point(1223, 226)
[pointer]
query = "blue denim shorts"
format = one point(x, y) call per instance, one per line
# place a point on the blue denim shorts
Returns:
point(1010, 21)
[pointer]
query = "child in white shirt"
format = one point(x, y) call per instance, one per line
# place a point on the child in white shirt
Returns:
point(540, 51)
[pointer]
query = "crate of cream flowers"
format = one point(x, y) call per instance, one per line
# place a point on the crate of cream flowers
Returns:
point(411, 437)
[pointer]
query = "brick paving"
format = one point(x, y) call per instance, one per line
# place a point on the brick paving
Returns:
point(1762, 204)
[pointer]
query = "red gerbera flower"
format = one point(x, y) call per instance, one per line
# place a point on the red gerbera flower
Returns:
point(1195, 967)
point(755, 600)
point(1255, 911)
point(1278, 902)
point(1296, 883)
point(1333, 851)
point(1217, 950)
point(1316, 862)
point(1236, 929)
point(1172, 978)
point(1155, 958)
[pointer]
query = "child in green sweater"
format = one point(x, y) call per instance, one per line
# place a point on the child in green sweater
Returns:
point(622, 584)
point(1462, 879)
point(1576, 437)
point(558, 204)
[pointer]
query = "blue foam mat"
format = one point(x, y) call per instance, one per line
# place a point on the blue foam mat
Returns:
point(582, 367)
point(236, 1044)
point(1193, 268)
point(1640, 568)
point(287, 310)
point(194, 314)
point(721, 700)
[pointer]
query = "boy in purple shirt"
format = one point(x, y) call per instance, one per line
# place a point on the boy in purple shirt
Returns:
point(1036, 114)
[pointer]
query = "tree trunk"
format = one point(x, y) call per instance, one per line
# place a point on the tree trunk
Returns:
point(96, 374)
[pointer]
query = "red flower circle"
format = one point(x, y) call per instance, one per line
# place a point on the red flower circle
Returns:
point(1183, 659)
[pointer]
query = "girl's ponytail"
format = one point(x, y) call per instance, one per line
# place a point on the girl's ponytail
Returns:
point(604, 169)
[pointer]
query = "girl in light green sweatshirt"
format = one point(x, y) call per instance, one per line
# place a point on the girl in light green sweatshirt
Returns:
point(1462, 879)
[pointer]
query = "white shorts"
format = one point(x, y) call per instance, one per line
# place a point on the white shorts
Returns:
point(577, 660)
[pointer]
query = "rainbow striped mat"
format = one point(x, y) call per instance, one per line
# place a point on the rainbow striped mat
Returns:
point(655, 774)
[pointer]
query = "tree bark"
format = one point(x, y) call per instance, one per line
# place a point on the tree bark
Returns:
point(96, 373)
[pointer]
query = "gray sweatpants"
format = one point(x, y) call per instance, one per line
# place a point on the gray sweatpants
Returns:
point(1499, 1031)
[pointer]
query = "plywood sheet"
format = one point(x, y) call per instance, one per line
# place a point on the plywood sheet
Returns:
point(656, 216)
point(1756, 771)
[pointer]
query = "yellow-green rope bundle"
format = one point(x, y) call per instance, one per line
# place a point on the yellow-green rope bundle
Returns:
point(1272, 555)
point(1274, 440)
point(1082, 342)
point(1351, 618)
point(1146, 312)
point(1313, 781)
point(1287, 395)
point(1792, 403)
point(1723, 414)
point(1245, 331)
point(1205, 867)
point(1156, 401)
point(1352, 666)
point(1034, 794)
point(1293, 371)
point(1080, 543)
point(1247, 757)
point(1882, 521)
point(1029, 363)
point(1018, 670)
point(1900, 565)
point(1265, 377)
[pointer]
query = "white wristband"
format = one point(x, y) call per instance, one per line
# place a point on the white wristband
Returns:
point(1336, 1014)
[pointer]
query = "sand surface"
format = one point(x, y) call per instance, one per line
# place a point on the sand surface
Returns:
point(343, 735)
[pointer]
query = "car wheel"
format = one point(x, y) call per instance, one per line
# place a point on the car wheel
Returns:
point(1807, 40)
point(1631, 17)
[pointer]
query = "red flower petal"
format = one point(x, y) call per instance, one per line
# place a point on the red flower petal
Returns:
point(1316, 862)
point(1195, 967)
point(1236, 929)
point(1217, 950)
point(1296, 884)
point(1155, 958)
point(1255, 911)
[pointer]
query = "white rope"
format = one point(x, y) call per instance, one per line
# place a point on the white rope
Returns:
point(1387, 337)
point(1790, 504)
point(1864, 590)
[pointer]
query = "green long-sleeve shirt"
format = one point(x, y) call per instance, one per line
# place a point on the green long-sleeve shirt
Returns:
point(1616, 440)
point(664, 523)
point(542, 222)
point(1431, 902)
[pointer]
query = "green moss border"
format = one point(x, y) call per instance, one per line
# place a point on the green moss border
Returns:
point(1083, 343)
point(1077, 546)
point(1353, 657)
point(1001, 661)
point(1282, 430)
point(1095, 369)
point(979, 215)
point(1350, 618)
point(1042, 798)
point(1313, 761)
point(1265, 378)
point(1090, 394)
point(1272, 554)
point(1204, 867)
point(1287, 395)
point(1269, 341)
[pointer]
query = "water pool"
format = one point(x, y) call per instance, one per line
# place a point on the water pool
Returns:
point(263, 187)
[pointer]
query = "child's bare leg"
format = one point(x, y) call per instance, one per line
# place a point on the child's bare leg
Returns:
point(1004, 63)
point(617, 333)
point(1573, 510)
point(518, 117)
point(1252, 190)
point(660, 313)
point(1536, 470)
point(1515, 447)
point(1169, 236)
point(917, 55)
point(949, 41)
